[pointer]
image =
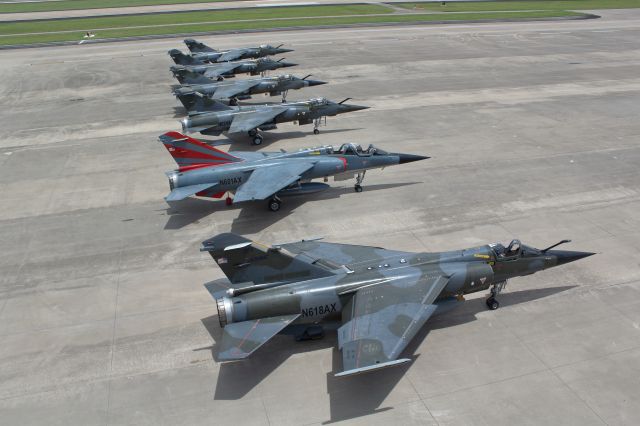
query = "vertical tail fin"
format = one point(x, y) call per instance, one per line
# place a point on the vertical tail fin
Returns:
point(191, 153)
point(243, 260)
point(196, 46)
point(186, 76)
point(182, 59)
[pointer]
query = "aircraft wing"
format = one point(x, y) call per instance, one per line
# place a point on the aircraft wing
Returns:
point(230, 55)
point(186, 191)
point(241, 339)
point(343, 254)
point(380, 320)
point(219, 69)
point(249, 120)
point(232, 90)
point(266, 181)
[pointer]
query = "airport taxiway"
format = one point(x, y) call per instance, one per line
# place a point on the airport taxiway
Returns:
point(533, 132)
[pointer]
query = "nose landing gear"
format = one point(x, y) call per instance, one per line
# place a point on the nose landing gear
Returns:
point(492, 302)
point(359, 178)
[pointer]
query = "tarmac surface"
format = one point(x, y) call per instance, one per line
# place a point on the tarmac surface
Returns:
point(533, 129)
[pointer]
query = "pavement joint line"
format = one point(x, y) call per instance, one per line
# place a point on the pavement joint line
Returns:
point(88, 381)
point(552, 371)
point(424, 403)
point(95, 322)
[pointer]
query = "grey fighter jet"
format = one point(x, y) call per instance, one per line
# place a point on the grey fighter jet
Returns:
point(211, 117)
point(377, 299)
point(208, 172)
point(202, 51)
point(229, 69)
point(241, 89)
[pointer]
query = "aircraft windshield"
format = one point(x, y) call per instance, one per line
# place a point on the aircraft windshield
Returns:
point(356, 149)
point(513, 249)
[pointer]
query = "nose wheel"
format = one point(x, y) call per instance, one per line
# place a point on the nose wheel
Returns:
point(492, 302)
point(359, 178)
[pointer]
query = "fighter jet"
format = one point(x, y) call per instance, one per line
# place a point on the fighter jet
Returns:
point(377, 299)
point(202, 51)
point(211, 117)
point(241, 89)
point(208, 172)
point(228, 69)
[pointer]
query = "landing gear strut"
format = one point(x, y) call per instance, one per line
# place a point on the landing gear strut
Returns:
point(316, 124)
point(359, 179)
point(274, 204)
point(492, 302)
point(284, 96)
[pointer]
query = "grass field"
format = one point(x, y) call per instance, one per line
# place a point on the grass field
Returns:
point(87, 4)
point(330, 19)
point(487, 6)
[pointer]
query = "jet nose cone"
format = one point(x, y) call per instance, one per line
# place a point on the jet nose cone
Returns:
point(566, 256)
point(350, 108)
point(287, 64)
point(315, 82)
point(281, 50)
point(409, 158)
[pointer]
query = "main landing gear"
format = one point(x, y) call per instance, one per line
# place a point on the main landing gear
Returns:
point(284, 96)
point(257, 138)
point(274, 204)
point(492, 302)
point(359, 179)
point(316, 124)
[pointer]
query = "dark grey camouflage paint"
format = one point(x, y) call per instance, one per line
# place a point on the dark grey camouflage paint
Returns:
point(214, 122)
point(378, 299)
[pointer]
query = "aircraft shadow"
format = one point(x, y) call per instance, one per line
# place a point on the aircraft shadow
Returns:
point(353, 396)
point(254, 216)
point(363, 394)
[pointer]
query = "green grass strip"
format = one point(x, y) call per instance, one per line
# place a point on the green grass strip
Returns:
point(486, 6)
point(227, 26)
point(97, 23)
point(88, 4)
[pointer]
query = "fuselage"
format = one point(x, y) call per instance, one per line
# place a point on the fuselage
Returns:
point(326, 163)
point(320, 300)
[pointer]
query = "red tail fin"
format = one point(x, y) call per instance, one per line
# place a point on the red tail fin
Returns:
point(191, 153)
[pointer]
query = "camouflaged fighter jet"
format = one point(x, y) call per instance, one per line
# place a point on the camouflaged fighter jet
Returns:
point(211, 117)
point(228, 69)
point(208, 172)
point(202, 51)
point(241, 89)
point(377, 299)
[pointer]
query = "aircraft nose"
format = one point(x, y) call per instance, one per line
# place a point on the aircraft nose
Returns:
point(288, 64)
point(281, 50)
point(409, 158)
point(566, 256)
point(351, 108)
point(315, 82)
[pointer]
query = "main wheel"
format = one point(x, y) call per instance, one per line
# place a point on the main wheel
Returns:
point(316, 131)
point(257, 140)
point(252, 133)
point(492, 304)
point(358, 188)
point(274, 204)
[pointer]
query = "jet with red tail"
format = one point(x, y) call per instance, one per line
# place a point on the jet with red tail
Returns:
point(206, 171)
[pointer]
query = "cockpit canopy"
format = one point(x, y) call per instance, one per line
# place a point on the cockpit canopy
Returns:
point(514, 249)
point(318, 101)
point(356, 149)
point(285, 77)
